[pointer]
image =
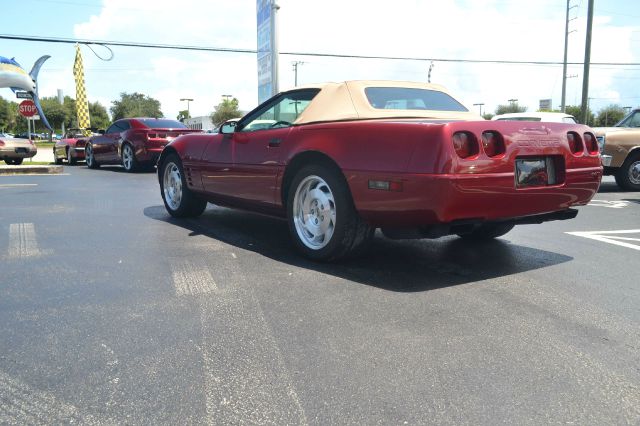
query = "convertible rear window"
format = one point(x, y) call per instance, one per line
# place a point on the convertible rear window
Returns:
point(411, 98)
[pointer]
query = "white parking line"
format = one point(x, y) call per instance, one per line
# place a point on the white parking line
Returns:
point(612, 237)
point(616, 204)
point(189, 279)
point(22, 404)
point(22, 240)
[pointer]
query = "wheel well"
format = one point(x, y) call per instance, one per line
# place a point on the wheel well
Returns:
point(301, 160)
point(165, 152)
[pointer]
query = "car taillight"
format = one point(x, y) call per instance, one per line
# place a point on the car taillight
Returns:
point(575, 143)
point(492, 143)
point(1, 143)
point(465, 144)
point(591, 143)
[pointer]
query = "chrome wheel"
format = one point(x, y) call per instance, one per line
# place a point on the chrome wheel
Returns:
point(127, 157)
point(89, 156)
point(634, 172)
point(172, 185)
point(314, 212)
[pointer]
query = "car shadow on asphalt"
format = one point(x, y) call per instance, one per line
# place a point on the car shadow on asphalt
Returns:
point(120, 169)
point(401, 266)
point(606, 187)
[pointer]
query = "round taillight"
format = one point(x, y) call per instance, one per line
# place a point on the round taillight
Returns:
point(1, 143)
point(575, 143)
point(493, 143)
point(465, 144)
point(591, 143)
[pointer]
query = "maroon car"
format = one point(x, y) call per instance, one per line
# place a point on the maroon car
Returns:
point(70, 147)
point(136, 143)
point(339, 160)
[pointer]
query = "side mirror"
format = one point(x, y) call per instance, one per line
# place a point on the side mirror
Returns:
point(228, 127)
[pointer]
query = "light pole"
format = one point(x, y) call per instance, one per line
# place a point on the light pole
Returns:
point(479, 105)
point(295, 71)
point(188, 100)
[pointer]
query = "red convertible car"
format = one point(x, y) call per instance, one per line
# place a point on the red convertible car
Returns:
point(339, 160)
point(70, 147)
point(135, 143)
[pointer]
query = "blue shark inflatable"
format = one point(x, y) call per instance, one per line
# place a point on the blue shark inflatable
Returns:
point(12, 75)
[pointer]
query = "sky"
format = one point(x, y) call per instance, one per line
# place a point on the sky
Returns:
point(513, 30)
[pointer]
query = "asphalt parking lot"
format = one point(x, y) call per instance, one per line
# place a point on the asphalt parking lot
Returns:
point(113, 312)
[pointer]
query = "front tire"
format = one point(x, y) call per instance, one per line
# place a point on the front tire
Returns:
point(70, 158)
point(129, 158)
point(323, 221)
point(89, 157)
point(13, 161)
point(55, 157)
point(628, 176)
point(487, 231)
point(178, 199)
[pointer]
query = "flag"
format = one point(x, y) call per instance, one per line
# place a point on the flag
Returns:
point(82, 105)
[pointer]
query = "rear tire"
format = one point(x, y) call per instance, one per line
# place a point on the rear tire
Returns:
point(13, 161)
point(628, 176)
point(178, 199)
point(89, 158)
point(323, 221)
point(129, 159)
point(487, 231)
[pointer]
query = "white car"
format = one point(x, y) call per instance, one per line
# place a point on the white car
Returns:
point(551, 117)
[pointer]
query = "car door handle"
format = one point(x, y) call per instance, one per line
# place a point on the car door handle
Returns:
point(274, 143)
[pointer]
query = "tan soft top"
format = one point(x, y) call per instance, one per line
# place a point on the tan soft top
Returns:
point(348, 101)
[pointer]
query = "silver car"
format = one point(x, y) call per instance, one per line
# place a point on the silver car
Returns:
point(13, 151)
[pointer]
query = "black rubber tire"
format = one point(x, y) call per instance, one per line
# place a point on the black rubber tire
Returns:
point(351, 233)
point(622, 174)
point(70, 159)
point(89, 158)
point(55, 158)
point(14, 161)
point(135, 165)
point(487, 231)
point(190, 204)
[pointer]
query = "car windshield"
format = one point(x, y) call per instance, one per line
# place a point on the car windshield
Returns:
point(411, 98)
point(161, 123)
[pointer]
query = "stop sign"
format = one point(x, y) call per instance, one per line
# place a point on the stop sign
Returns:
point(27, 108)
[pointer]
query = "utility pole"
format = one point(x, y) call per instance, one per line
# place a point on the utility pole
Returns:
point(429, 75)
point(479, 105)
point(566, 48)
point(274, 48)
point(295, 71)
point(188, 100)
point(587, 63)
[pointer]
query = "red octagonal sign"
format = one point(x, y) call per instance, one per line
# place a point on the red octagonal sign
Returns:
point(27, 108)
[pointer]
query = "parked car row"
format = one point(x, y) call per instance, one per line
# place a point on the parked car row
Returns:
point(135, 143)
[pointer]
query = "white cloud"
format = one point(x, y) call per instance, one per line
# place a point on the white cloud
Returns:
point(471, 29)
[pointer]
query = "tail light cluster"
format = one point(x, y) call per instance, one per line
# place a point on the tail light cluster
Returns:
point(466, 144)
point(578, 144)
point(1, 143)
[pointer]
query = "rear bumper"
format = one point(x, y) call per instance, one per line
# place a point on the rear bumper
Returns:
point(149, 154)
point(429, 199)
point(20, 152)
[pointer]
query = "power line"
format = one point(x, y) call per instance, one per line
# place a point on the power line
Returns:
point(326, 55)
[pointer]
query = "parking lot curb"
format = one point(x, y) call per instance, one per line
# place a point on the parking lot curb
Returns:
point(30, 170)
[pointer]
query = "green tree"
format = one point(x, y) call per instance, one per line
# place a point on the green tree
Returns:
point(225, 110)
point(509, 108)
point(487, 116)
point(183, 115)
point(135, 105)
point(56, 114)
point(98, 115)
point(576, 111)
point(609, 116)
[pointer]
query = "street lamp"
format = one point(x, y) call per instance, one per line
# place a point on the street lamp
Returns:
point(513, 101)
point(227, 96)
point(479, 105)
point(188, 100)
